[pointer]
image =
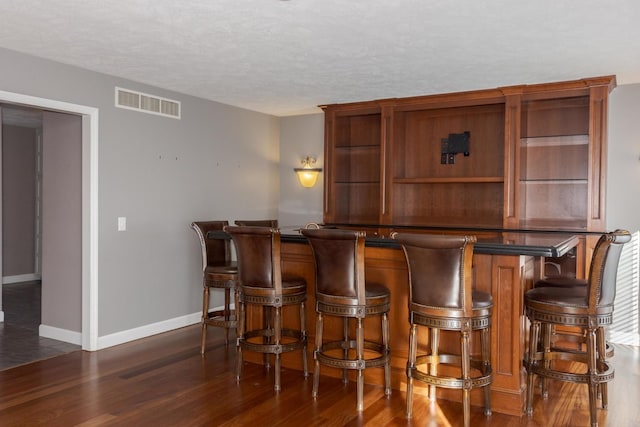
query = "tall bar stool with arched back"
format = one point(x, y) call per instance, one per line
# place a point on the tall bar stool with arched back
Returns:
point(588, 307)
point(218, 272)
point(342, 291)
point(441, 297)
point(262, 284)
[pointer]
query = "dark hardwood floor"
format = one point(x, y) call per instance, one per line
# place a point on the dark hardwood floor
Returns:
point(163, 381)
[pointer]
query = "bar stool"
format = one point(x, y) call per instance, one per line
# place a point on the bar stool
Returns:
point(273, 223)
point(342, 291)
point(261, 284)
point(218, 272)
point(441, 298)
point(588, 307)
point(565, 281)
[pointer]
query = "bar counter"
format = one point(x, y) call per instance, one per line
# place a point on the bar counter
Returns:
point(506, 263)
point(499, 242)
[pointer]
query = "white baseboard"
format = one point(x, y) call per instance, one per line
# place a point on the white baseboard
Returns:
point(148, 330)
point(21, 278)
point(65, 335)
point(124, 336)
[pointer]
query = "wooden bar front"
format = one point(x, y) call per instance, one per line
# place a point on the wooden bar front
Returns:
point(505, 276)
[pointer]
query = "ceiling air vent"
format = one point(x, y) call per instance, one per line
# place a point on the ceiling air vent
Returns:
point(132, 100)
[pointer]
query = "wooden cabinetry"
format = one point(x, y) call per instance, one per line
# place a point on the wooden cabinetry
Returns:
point(353, 184)
point(536, 160)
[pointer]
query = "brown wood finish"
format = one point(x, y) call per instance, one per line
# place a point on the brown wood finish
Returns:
point(505, 277)
point(163, 381)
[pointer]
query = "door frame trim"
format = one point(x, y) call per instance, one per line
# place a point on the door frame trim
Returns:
point(89, 204)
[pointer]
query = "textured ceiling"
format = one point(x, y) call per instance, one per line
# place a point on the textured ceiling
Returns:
point(287, 57)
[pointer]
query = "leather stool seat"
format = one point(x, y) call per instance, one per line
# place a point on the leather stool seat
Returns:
point(560, 282)
point(212, 273)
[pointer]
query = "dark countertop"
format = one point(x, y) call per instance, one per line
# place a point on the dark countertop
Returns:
point(494, 242)
point(509, 243)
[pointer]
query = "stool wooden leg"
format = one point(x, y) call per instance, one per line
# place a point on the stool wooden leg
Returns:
point(485, 339)
point(466, 383)
point(601, 347)
point(592, 371)
point(547, 334)
point(534, 333)
point(205, 316)
point(433, 366)
point(316, 351)
point(267, 321)
point(277, 328)
point(239, 337)
point(411, 364)
point(360, 357)
point(345, 339)
point(227, 313)
point(303, 331)
point(387, 365)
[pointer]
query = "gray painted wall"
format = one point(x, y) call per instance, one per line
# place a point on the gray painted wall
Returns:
point(18, 200)
point(623, 178)
point(217, 162)
point(62, 221)
point(300, 136)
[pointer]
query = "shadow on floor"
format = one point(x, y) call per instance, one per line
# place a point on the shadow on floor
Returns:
point(19, 339)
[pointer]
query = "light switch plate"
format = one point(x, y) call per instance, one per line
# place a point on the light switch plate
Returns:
point(122, 223)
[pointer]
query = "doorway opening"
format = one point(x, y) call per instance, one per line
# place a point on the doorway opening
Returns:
point(89, 333)
point(22, 336)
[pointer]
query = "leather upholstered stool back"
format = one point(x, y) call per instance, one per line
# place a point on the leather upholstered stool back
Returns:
point(441, 262)
point(257, 249)
point(339, 271)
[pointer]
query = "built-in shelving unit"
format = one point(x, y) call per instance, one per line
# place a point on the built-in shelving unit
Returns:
point(536, 159)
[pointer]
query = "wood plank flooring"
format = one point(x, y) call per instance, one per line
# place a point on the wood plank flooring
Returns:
point(163, 381)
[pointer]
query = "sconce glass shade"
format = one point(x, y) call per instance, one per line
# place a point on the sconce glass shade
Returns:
point(308, 175)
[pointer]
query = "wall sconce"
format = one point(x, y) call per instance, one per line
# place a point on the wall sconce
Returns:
point(307, 174)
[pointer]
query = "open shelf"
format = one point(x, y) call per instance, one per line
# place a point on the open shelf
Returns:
point(479, 204)
point(353, 172)
point(478, 179)
point(554, 164)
